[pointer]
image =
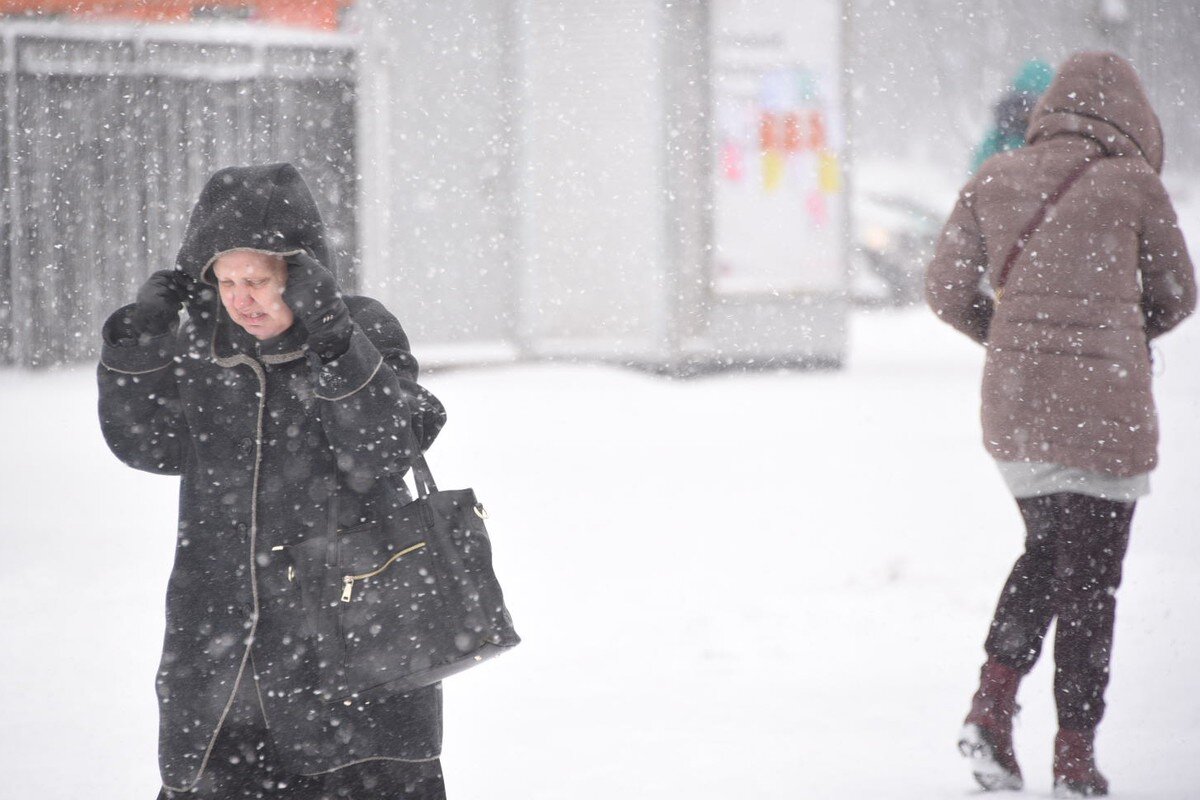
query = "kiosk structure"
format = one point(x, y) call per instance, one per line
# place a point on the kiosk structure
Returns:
point(644, 182)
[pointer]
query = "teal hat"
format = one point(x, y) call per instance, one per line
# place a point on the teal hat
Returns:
point(1034, 77)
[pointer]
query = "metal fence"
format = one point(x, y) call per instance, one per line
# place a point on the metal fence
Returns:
point(107, 135)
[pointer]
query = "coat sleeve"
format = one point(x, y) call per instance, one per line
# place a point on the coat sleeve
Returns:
point(953, 278)
point(140, 414)
point(1168, 279)
point(376, 417)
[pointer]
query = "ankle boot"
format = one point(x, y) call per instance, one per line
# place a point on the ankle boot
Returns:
point(986, 737)
point(1075, 773)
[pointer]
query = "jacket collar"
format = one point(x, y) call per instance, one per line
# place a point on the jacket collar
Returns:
point(232, 345)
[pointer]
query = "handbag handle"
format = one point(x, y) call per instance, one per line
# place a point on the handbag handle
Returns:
point(1031, 227)
point(423, 477)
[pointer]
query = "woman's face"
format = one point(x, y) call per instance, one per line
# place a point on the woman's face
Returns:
point(251, 286)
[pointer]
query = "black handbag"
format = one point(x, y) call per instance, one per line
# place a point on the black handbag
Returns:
point(415, 596)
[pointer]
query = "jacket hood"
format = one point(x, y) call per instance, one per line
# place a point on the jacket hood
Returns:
point(266, 208)
point(1099, 96)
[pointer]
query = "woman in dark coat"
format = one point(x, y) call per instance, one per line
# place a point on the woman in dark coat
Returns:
point(289, 411)
point(1068, 411)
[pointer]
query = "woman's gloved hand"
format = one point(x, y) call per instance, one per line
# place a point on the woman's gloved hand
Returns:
point(313, 296)
point(159, 302)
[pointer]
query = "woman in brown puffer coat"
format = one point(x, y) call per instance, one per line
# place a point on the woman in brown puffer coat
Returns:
point(1077, 236)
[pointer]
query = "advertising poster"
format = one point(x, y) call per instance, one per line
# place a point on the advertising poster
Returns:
point(778, 221)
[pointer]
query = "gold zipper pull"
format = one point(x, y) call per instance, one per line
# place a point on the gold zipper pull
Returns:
point(291, 573)
point(348, 580)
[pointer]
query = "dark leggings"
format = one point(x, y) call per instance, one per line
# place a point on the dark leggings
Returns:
point(1071, 568)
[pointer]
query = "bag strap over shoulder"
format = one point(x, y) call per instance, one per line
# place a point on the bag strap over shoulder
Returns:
point(423, 477)
point(1031, 227)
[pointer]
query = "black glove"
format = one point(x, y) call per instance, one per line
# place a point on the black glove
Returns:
point(159, 301)
point(313, 296)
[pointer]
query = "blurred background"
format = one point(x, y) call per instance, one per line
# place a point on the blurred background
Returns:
point(767, 582)
point(678, 186)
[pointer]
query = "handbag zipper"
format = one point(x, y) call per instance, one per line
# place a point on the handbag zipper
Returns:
point(348, 580)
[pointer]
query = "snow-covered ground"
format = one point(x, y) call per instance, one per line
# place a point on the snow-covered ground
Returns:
point(741, 586)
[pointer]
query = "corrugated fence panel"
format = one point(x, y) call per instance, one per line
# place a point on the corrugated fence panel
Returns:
point(109, 142)
point(7, 198)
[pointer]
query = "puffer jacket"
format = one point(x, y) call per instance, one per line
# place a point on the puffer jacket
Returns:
point(272, 447)
point(1067, 378)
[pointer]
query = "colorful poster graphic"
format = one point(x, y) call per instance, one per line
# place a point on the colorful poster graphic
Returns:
point(778, 218)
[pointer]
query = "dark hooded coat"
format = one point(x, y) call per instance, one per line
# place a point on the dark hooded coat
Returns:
point(1067, 378)
point(273, 447)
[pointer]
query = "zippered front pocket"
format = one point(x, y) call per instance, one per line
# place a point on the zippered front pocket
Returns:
point(348, 581)
point(391, 602)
